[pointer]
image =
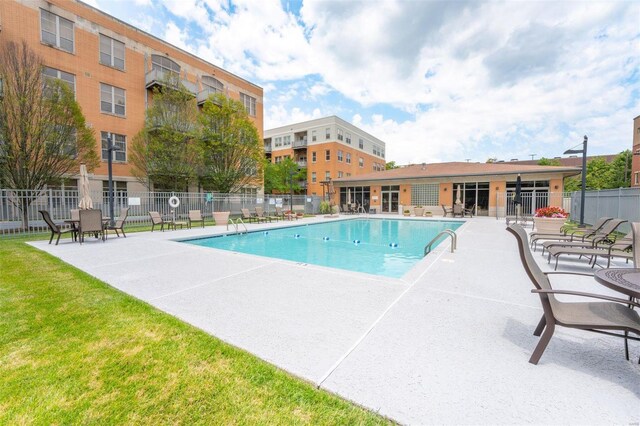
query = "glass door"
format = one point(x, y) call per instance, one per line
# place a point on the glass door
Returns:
point(390, 199)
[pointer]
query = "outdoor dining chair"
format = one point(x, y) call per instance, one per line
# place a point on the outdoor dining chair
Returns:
point(156, 219)
point(605, 317)
point(119, 225)
point(446, 210)
point(91, 223)
point(55, 229)
point(195, 216)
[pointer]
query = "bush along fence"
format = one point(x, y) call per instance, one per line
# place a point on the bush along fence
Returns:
point(19, 208)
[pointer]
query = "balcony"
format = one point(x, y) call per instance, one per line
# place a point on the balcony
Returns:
point(301, 163)
point(204, 94)
point(267, 148)
point(300, 144)
point(159, 78)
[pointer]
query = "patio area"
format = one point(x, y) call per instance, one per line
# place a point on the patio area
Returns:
point(448, 343)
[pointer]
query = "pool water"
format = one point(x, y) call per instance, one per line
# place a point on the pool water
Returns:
point(384, 247)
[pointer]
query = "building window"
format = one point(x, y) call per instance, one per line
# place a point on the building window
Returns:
point(327, 175)
point(69, 79)
point(361, 162)
point(637, 177)
point(340, 135)
point(119, 144)
point(112, 99)
point(313, 177)
point(119, 188)
point(211, 84)
point(339, 155)
point(56, 31)
point(278, 159)
point(286, 141)
point(348, 158)
point(348, 138)
point(164, 64)
point(327, 154)
point(313, 136)
point(361, 144)
point(348, 174)
point(111, 52)
point(313, 156)
point(339, 174)
point(425, 194)
point(327, 133)
point(249, 103)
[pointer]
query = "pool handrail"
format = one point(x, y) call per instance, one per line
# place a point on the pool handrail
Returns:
point(449, 232)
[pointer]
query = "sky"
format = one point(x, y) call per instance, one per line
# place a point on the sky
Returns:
point(435, 80)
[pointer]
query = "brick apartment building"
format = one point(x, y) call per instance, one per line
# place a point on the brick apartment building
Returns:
point(112, 68)
point(330, 148)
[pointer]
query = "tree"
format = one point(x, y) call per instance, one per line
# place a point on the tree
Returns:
point(597, 176)
point(549, 162)
point(391, 165)
point(277, 177)
point(619, 175)
point(43, 134)
point(231, 148)
point(165, 154)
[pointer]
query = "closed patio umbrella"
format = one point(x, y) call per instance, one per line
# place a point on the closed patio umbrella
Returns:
point(458, 200)
point(517, 199)
point(85, 197)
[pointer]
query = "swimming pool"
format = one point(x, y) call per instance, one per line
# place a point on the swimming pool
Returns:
point(387, 247)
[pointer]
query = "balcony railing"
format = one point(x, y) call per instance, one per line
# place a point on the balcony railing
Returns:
point(204, 94)
point(157, 77)
point(300, 143)
point(267, 148)
point(301, 163)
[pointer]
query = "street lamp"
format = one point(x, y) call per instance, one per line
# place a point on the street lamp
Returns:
point(582, 151)
point(110, 149)
point(291, 174)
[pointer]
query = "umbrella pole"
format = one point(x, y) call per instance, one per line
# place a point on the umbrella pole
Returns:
point(110, 149)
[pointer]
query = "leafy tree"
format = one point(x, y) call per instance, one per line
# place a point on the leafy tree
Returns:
point(597, 176)
point(620, 171)
point(549, 162)
point(391, 165)
point(231, 148)
point(165, 154)
point(277, 177)
point(43, 134)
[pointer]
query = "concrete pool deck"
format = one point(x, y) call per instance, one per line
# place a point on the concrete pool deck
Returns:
point(447, 343)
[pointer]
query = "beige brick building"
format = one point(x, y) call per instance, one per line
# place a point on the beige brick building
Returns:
point(330, 148)
point(112, 67)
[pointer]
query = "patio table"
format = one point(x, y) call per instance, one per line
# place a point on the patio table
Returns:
point(624, 280)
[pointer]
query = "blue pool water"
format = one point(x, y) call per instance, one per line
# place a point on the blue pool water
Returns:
point(375, 246)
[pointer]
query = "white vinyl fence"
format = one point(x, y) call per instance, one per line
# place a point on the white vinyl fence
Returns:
point(623, 203)
point(19, 209)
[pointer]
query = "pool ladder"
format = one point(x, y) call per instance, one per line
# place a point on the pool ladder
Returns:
point(236, 225)
point(447, 232)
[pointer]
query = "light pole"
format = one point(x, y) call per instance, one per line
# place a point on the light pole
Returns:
point(110, 149)
point(582, 151)
point(291, 173)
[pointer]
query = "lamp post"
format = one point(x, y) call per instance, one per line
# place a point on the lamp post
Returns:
point(110, 149)
point(582, 151)
point(291, 174)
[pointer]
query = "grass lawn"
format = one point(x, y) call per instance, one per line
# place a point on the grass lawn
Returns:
point(74, 350)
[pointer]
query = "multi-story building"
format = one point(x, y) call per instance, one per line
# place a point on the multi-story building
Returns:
point(330, 148)
point(635, 165)
point(112, 68)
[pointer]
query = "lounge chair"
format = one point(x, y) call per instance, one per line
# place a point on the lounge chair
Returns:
point(614, 314)
point(446, 210)
point(635, 231)
point(260, 215)
point(605, 229)
point(156, 219)
point(279, 212)
point(91, 223)
point(247, 216)
point(598, 241)
point(617, 249)
point(55, 229)
point(587, 230)
point(195, 216)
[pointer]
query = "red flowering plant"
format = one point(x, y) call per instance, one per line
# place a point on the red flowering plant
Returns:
point(556, 212)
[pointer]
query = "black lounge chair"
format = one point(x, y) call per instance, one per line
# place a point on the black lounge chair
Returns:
point(55, 229)
point(605, 317)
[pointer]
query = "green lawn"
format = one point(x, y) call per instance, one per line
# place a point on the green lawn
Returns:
point(74, 350)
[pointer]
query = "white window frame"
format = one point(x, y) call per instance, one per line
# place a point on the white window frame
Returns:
point(361, 143)
point(113, 99)
point(56, 22)
point(313, 136)
point(348, 159)
point(249, 103)
point(348, 138)
point(327, 175)
point(59, 77)
point(313, 177)
point(340, 134)
point(360, 162)
point(327, 155)
point(112, 53)
point(313, 156)
point(339, 155)
point(327, 133)
point(119, 141)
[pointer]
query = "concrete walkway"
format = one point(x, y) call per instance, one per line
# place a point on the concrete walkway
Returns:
point(448, 343)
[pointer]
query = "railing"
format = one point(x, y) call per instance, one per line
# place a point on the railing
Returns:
point(19, 208)
point(236, 224)
point(530, 202)
point(300, 143)
point(446, 232)
point(204, 94)
point(160, 77)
